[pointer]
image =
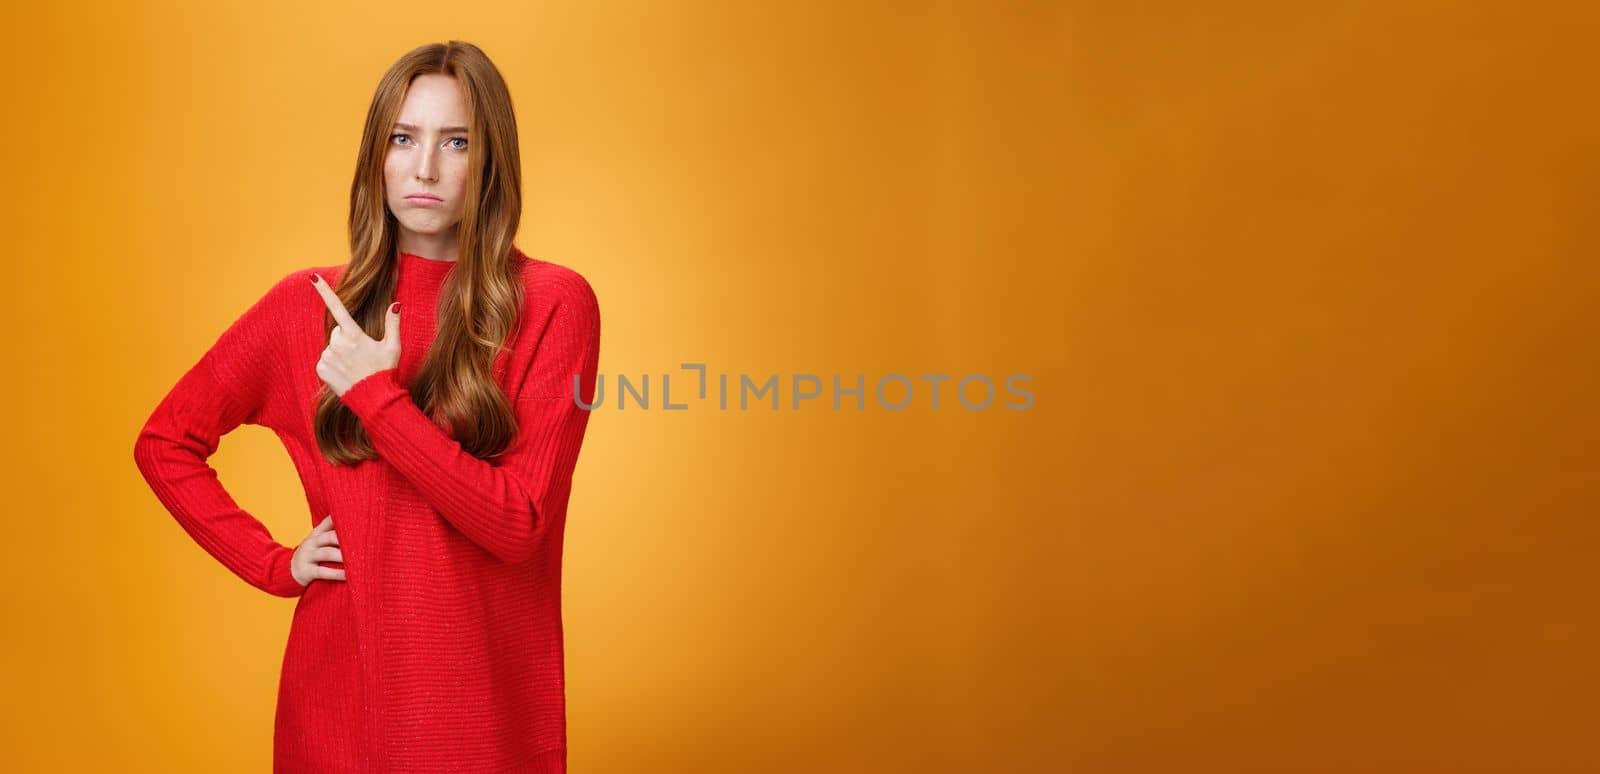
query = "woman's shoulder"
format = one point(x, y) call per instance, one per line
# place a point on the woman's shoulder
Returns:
point(290, 292)
point(289, 285)
point(551, 285)
point(293, 292)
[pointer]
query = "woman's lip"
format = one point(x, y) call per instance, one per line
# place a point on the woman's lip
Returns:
point(423, 200)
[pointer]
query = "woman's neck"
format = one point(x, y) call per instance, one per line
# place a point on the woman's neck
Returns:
point(438, 247)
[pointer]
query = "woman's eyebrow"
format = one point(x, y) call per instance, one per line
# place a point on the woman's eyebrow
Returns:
point(447, 129)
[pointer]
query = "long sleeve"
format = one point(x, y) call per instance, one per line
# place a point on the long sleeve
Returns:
point(507, 504)
point(232, 384)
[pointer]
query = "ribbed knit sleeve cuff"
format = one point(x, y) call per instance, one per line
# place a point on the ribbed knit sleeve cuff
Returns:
point(280, 580)
point(373, 392)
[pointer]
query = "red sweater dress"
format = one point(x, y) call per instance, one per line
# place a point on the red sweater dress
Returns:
point(442, 649)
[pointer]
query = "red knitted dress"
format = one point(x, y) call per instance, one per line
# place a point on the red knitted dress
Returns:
point(442, 649)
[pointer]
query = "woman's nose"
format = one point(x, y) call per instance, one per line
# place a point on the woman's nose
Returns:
point(425, 166)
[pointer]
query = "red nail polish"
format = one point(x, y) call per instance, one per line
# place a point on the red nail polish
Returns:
point(394, 308)
point(313, 279)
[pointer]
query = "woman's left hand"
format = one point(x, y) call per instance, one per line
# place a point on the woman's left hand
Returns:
point(351, 354)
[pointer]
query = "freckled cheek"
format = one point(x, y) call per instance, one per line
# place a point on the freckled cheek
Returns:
point(390, 175)
point(458, 179)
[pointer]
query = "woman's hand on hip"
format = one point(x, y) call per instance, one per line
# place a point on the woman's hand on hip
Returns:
point(352, 355)
point(322, 545)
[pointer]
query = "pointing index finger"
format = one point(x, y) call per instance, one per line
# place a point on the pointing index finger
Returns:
point(331, 300)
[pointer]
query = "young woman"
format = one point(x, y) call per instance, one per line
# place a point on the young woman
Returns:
point(428, 392)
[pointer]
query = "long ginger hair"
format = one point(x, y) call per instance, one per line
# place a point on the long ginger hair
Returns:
point(480, 301)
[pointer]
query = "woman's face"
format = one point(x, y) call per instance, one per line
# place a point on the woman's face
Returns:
point(427, 156)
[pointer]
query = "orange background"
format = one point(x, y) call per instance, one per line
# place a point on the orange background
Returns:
point(1305, 296)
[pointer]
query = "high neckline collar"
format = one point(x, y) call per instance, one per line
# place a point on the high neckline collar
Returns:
point(427, 265)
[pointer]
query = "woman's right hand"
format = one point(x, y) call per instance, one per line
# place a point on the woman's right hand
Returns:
point(322, 545)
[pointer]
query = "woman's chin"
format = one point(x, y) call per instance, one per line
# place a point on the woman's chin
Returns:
point(425, 227)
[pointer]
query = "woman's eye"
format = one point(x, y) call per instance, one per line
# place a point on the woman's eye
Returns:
point(461, 140)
